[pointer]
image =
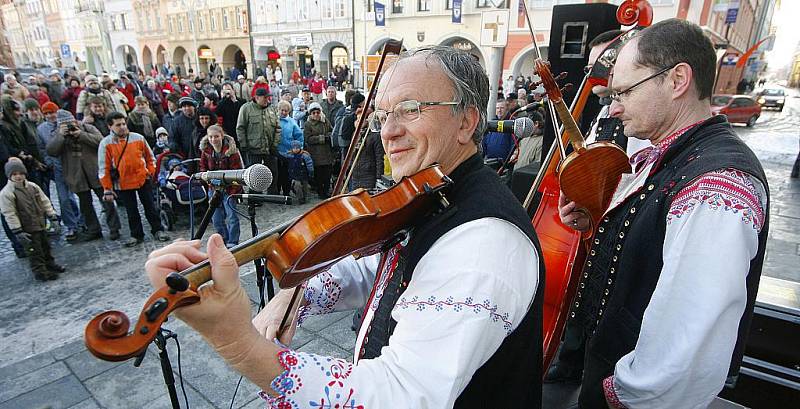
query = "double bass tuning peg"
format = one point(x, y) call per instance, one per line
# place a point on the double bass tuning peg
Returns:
point(567, 87)
point(561, 76)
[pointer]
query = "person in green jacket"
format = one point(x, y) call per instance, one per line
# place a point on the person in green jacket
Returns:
point(258, 130)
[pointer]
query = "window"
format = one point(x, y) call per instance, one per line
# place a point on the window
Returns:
point(338, 8)
point(112, 24)
point(482, 4)
point(171, 28)
point(302, 10)
point(225, 21)
point(240, 18)
point(448, 4)
point(213, 21)
point(573, 39)
point(158, 21)
point(369, 6)
point(180, 24)
point(123, 21)
point(397, 6)
point(423, 5)
point(201, 24)
point(326, 11)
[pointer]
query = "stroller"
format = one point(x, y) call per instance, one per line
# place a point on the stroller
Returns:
point(175, 192)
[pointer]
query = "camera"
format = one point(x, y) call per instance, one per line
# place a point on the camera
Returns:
point(71, 128)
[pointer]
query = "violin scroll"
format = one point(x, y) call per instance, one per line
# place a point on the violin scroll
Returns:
point(635, 12)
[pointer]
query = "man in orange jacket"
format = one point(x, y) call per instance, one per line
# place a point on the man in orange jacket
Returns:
point(126, 166)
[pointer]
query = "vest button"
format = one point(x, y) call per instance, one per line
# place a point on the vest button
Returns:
point(572, 314)
point(600, 313)
point(606, 291)
point(642, 196)
point(589, 263)
point(592, 252)
point(633, 210)
point(596, 241)
point(621, 234)
point(612, 271)
point(577, 304)
point(651, 187)
point(614, 258)
point(603, 301)
point(627, 223)
point(585, 275)
point(601, 229)
point(583, 285)
point(610, 281)
point(605, 220)
point(619, 247)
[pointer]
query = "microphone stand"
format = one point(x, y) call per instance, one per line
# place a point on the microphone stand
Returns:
point(164, 334)
point(261, 270)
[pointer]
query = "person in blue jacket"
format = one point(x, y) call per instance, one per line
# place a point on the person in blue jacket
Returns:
point(290, 132)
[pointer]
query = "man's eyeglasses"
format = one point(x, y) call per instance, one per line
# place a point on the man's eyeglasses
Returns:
point(619, 95)
point(404, 112)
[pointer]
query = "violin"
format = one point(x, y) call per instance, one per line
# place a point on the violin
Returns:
point(564, 249)
point(354, 223)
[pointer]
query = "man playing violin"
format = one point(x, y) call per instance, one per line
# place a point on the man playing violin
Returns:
point(453, 307)
point(679, 252)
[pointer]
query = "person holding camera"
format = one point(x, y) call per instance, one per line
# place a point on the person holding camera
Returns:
point(25, 206)
point(126, 167)
point(76, 144)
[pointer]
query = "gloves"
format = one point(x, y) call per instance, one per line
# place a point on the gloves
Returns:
point(23, 238)
point(55, 225)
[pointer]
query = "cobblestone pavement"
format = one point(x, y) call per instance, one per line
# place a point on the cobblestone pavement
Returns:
point(43, 362)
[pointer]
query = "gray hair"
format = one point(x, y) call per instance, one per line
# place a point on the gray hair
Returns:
point(470, 83)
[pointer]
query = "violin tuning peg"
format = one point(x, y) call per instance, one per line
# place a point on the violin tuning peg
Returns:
point(561, 76)
point(567, 87)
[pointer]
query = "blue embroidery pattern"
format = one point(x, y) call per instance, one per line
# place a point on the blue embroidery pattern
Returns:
point(485, 307)
point(334, 372)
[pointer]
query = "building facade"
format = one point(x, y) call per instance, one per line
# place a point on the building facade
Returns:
point(149, 23)
point(303, 34)
point(6, 57)
point(122, 35)
point(202, 32)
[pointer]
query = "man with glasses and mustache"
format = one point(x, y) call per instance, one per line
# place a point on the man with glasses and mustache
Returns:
point(453, 316)
point(682, 244)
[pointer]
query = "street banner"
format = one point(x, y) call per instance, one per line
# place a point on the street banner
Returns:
point(521, 14)
point(380, 15)
point(494, 28)
point(456, 15)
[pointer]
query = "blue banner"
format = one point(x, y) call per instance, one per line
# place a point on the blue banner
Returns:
point(456, 17)
point(730, 17)
point(380, 14)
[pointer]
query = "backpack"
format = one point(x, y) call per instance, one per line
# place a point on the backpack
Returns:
point(336, 133)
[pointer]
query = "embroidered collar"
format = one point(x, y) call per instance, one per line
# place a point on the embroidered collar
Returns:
point(653, 153)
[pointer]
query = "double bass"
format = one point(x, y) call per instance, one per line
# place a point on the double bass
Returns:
point(588, 175)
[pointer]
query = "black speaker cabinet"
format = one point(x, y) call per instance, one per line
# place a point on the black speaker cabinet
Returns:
point(573, 27)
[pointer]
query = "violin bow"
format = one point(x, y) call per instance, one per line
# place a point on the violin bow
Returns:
point(390, 47)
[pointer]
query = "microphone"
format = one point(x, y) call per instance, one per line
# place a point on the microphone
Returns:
point(257, 177)
point(520, 127)
point(530, 107)
point(259, 198)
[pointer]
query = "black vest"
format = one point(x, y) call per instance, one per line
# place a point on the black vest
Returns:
point(625, 261)
point(512, 376)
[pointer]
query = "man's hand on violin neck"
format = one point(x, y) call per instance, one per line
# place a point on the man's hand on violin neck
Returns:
point(224, 309)
point(222, 316)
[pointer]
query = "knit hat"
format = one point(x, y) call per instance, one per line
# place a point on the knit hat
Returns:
point(314, 105)
point(261, 92)
point(49, 107)
point(174, 97)
point(30, 103)
point(63, 116)
point(90, 77)
point(14, 164)
point(187, 101)
point(161, 130)
point(296, 144)
point(173, 162)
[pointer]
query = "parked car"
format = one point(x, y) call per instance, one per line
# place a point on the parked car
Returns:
point(772, 97)
point(741, 109)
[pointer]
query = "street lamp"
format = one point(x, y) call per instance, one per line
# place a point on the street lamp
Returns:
point(192, 6)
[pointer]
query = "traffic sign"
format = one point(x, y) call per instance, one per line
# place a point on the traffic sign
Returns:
point(494, 28)
point(65, 51)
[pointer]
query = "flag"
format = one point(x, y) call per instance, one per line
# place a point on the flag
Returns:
point(456, 16)
point(521, 14)
point(380, 14)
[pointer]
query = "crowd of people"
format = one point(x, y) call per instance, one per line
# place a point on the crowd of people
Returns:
point(96, 136)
